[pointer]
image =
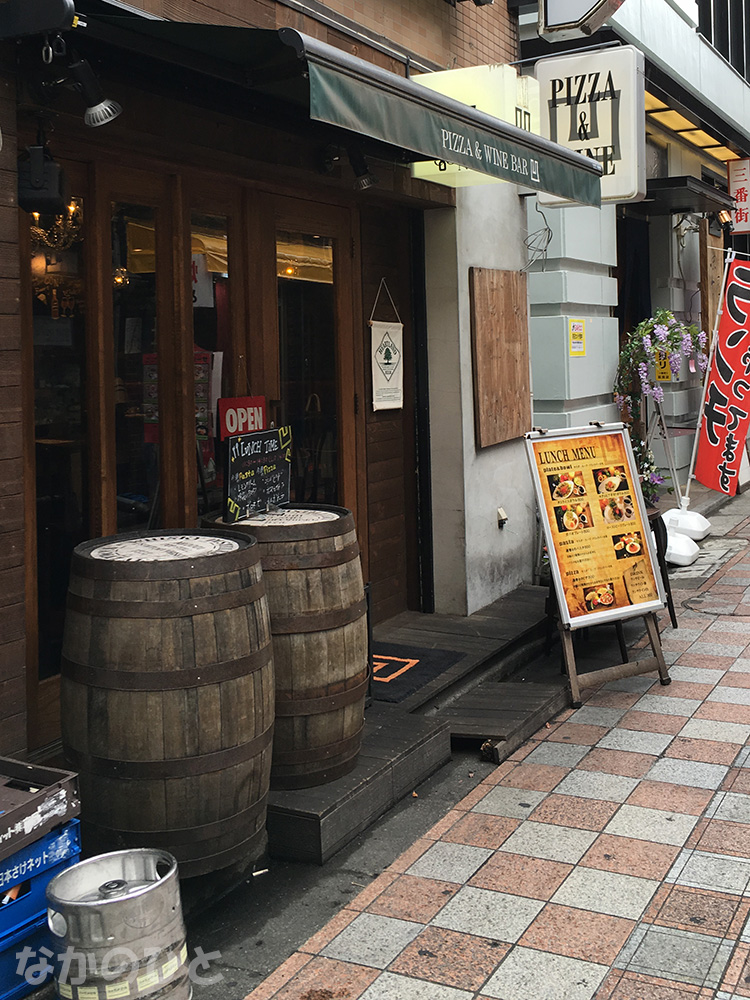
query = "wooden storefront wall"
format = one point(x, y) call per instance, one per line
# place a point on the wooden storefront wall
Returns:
point(12, 606)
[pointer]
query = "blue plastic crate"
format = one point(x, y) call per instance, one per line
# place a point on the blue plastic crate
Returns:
point(32, 936)
point(24, 876)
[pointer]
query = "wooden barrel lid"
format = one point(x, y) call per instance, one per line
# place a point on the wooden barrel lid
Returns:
point(151, 548)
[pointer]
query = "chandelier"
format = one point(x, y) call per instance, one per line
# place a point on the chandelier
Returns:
point(64, 231)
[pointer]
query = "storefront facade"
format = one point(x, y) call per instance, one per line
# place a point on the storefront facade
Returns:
point(215, 244)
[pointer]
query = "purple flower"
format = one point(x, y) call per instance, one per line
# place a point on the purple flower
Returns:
point(661, 332)
point(687, 343)
point(703, 362)
point(656, 479)
point(702, 339)
point(658, 394)
point(647, 342)
point(675, 361)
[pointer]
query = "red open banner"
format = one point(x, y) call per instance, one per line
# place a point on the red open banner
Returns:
point(726, 408)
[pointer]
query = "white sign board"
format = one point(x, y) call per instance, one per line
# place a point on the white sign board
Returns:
point(738, 173)
point(574, 18)
point(594, 104)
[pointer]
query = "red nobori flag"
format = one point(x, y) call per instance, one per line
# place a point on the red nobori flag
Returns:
point(726, 411)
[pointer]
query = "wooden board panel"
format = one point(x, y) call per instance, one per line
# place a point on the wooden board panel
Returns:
point(500, 347)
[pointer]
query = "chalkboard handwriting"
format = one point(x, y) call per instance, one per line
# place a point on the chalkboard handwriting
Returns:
point(258, 472)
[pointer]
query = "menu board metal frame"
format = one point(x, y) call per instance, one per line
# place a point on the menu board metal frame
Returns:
point(572, 446)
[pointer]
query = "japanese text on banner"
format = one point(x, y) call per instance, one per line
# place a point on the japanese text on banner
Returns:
point(726, 411)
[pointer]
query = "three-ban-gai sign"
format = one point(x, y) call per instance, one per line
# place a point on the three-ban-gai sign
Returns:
point(601, 551)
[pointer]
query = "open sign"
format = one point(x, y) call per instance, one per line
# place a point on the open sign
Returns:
point(241, 415)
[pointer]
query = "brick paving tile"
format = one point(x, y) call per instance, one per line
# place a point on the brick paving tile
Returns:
point(539, 777)
point(705, 660)
point(500, 771)
point(734, 679)
point(723, 837)
point(737, 973)
point(582, 735)
point(326, 934)
point(413, 898)
point(637, 987)
point(443, 825)
point(372, 891)
point(279, 977)
point(410, 855)
point(706, 750)
point(720, 711)
point(675, 798)
point(682, 689)
point(738, 780)
point(686, 908)
point(314, 981)
point(613, 699)
point(631, 765)
point(481, 830)
point(567, 930)
point(630, 857)
point(451, 958)
point(470, 800)
point(571, 810)
point(650, 722)
point(535, 878)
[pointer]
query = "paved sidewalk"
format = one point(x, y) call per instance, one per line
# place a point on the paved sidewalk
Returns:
point(609, 857)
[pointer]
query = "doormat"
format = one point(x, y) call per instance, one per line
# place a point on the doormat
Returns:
point(399, 671)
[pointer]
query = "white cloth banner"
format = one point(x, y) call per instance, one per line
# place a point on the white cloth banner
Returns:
point(387, 365)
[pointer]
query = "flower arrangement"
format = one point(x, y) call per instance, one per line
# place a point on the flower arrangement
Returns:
point(661, 336)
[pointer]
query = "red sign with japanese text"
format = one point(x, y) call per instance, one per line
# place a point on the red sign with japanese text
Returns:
point(726, 409)
point(738, 175)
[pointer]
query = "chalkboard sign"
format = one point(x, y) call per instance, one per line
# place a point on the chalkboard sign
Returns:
point(258, 467)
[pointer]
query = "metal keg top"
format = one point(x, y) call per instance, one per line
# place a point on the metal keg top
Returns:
point(158, 548)
point(291, 516)
point(111, 877)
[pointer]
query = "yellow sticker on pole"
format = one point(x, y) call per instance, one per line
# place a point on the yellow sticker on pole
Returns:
point(577, 338)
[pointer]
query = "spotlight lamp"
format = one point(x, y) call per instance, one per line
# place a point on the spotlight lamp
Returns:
point(99, 109)
point(363, 179)
point(725, 218)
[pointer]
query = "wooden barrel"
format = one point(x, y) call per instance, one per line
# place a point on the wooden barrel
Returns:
point(313, 575)
point(168, 694)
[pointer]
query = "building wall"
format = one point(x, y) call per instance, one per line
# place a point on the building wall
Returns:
point(446, 36)
point(475, 561)
point(12, 607)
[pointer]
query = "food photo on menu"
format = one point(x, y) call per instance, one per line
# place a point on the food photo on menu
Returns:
point(617, 508)
point(611, 479)
point(566, 485)
point(627, 545)
point(569, 517)
point(599, 596)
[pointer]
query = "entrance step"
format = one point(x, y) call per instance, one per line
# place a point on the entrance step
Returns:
point(398, 752)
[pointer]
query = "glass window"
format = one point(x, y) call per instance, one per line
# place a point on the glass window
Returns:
point(59, 316)
point(136, 366)
point(307, 358)
point(209, 272)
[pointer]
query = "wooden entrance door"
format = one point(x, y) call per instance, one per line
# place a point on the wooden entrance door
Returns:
point(315, 364)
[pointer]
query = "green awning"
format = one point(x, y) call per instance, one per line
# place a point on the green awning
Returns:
point(407, 121)
point(358, 96)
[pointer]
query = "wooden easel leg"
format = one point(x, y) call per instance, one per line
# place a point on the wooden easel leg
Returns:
point(621, 640)
point(566, 637)
point(652, 627)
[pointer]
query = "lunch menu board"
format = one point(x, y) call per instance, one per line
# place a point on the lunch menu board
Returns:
point(258, 472)
point(599, 541)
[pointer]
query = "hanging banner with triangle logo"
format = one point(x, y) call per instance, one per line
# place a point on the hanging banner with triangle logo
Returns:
point(387, 365)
